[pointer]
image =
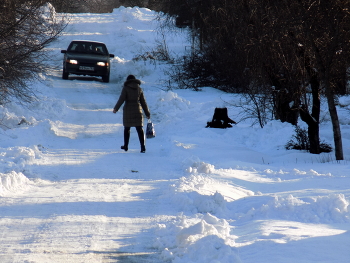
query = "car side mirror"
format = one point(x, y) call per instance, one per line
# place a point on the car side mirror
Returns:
point(111, 55)
point(63, 51)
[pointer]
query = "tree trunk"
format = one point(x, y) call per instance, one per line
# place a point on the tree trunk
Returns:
point(312, 131)
point(341, 83)
point(314, 138)
point(282, 109)
point(323, 69)
point(335, 123)
point(314, 128)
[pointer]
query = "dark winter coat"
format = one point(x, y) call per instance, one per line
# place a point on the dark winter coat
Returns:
point(132, 95)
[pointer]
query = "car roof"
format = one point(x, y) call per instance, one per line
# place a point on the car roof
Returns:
point(88, 41)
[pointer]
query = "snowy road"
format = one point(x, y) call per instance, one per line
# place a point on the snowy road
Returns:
point(89, 204)
point(60, 222)
point(88, 201)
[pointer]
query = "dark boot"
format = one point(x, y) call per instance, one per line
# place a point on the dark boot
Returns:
point(126, 138)
point(139, 130)
point(143, 149)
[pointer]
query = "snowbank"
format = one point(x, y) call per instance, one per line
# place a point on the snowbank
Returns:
point(12, 181)
point(203, 238)
point(333, 208)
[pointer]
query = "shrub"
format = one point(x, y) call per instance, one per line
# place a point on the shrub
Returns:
point(300, 141)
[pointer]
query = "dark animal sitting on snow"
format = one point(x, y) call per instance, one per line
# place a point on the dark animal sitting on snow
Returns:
point(220, 119)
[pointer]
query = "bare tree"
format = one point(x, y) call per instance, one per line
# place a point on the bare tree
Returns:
point(329, 44)
point(26, 28)
point(323, 30)
point(100, 6)
point(290, 45)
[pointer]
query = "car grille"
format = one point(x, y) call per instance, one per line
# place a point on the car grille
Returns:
point(89, 64)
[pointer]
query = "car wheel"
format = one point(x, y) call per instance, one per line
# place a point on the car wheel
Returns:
point(65, 74)
point(105, 78)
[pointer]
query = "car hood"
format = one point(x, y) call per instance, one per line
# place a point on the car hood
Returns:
point(87, 57)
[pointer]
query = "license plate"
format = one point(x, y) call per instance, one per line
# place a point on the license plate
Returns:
point(86, 68)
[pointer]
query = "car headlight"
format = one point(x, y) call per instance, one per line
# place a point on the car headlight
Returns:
point(102, 64)
point(72, 61)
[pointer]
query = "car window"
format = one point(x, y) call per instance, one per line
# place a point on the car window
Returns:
point(76, 47)
point(100, 49)
point(88, 47)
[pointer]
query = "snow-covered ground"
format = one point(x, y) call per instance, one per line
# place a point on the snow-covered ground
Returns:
point(68, 193)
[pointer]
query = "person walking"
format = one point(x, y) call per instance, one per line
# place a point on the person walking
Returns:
point(135, 102)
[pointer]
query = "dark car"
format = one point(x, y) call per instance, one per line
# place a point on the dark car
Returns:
point(87, 58)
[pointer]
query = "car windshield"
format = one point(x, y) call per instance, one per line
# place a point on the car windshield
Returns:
point(88, 48)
